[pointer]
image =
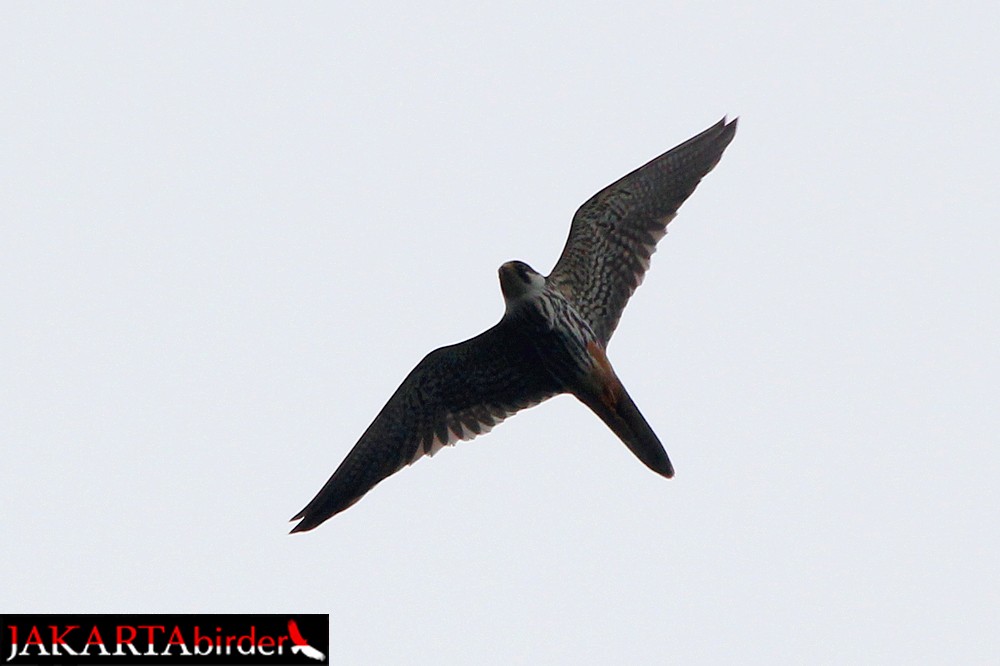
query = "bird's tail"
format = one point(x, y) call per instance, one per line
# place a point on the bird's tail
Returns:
point(616, 408)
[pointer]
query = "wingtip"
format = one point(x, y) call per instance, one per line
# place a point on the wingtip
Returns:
point(303, 526)
point(727, 125)
point(722, 132)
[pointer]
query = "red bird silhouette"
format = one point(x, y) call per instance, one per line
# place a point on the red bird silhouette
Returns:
point(300, 643)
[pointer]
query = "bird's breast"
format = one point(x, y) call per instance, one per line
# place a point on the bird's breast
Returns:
point(561, 336)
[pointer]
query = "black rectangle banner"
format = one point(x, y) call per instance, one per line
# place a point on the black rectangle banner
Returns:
point(164, 639)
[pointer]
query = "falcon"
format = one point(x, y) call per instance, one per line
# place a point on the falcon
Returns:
point(552, 338)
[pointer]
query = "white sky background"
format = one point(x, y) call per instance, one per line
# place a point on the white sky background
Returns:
point(229, 231)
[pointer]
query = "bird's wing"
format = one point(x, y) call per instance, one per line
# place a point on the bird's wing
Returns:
point(615, 232)
point(454, 393)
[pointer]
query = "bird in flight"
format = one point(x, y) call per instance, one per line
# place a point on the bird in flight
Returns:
point(552, 338)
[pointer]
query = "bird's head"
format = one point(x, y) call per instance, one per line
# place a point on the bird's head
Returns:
point(519, 281)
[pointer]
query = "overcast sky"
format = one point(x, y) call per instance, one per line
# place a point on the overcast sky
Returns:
point(228, 231)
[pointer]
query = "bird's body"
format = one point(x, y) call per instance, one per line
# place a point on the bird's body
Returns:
point(551, 325)
point(552, 338)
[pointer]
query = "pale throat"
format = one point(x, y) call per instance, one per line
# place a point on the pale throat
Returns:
point(519, 284)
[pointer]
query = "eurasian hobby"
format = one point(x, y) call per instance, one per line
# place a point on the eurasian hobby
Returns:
point(551, 339)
